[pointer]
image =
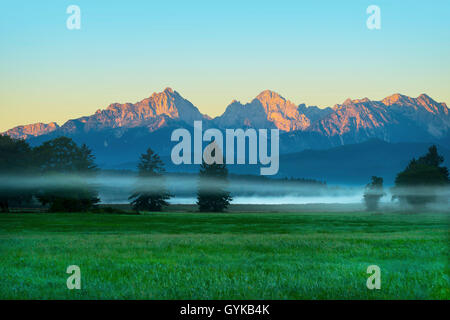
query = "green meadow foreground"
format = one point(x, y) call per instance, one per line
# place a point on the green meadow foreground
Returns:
point(224, 256)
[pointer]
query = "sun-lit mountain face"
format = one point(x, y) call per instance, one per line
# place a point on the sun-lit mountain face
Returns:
point(283, 113)
point(32, 130)
point(379, 118)
point(153, 113)
point(396, 118)
point(267, 110)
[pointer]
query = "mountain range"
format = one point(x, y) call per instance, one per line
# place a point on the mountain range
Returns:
point(120, 132)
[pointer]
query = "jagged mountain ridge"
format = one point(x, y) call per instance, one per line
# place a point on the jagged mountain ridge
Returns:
point(267, 110)
point(152, 113)
point(372, 116)
point(32, 130)
point(135, 126)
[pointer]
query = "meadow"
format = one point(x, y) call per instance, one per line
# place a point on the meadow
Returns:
point(308, 255)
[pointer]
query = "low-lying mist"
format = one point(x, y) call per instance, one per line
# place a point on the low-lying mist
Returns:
point(115, 188)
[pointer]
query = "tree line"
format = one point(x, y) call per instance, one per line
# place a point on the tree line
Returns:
point(65, 169)
point(417, 185)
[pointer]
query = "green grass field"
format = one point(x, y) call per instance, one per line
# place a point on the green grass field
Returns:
point(224, 256)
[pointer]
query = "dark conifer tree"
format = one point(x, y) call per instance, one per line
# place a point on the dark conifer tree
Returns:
point(66, 169)
point(212, 195)
point(418, 184)
point(16, 167)
point(150, 193)
point(373, 193)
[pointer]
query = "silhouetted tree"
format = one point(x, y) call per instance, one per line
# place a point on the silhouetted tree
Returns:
point(213, 180)
point(150, 194)
point(416, 184)
point(15, 163)
point(373, 193)
point(65, 168)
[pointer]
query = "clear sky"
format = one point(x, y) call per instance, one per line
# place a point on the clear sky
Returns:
point(313, 52)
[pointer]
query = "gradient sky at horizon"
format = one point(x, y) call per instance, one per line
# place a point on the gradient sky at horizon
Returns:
point(313, 52)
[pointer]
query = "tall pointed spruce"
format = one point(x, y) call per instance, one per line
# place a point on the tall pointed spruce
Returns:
point(150, 193)
point(212, 195)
